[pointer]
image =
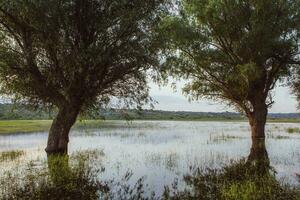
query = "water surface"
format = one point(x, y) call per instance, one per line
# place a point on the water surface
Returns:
point(161, 151)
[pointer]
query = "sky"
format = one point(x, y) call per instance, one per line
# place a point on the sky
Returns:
point(171, 100)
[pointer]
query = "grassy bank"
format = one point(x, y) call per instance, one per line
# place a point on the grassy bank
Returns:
point(30, 126)
point(23, 126)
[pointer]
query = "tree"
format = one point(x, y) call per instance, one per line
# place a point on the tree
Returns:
point(74, 53)
point(233, 50)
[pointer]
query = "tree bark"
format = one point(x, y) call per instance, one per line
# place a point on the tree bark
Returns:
point(257, 119)
point(258, 150)
point(58, 137)
point(258, 158)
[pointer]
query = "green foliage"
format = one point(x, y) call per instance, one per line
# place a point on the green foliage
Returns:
point(293, 130)
point(77, 177)
point(60, 181)
point(233, 50)
point(77, 52)
point(10, 155)
point(23, 126)
point(238, 181)
point(67, 178)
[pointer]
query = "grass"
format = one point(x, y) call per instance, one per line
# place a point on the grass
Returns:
point(63, 177)
point(238, 181)
point(30, 126)
point(10, 155)
point(59, 178)
point(293, 130)
point(76, 177)
point(24, 126)
point(279, 137)
point(221, 138)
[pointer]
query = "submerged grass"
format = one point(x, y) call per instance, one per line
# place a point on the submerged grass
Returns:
point(68, 178)
point(58, 179)
point(293, 130)
point(238, 181)
point(10, 155)
point(221, 138)
point(76, 178)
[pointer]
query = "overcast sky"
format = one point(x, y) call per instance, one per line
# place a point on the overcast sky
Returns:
point(168, 99)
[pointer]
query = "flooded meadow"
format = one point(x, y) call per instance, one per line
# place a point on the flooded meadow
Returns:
point(162, 152)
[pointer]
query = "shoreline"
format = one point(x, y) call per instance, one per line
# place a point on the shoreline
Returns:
point(8, 127)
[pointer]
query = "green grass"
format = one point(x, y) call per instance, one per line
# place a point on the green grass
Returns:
point(23, 126)
point(76, 177)
point(57, 179)
point(66, 177)
point(293, 130)
point(31, 126)
point(238, 181)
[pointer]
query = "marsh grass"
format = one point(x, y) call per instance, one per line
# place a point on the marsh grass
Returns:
point(58, 179)
point(76, 177)
point(279, 137)
point(23, 126)
point(8, 127)
point(293, 130)
point(238, 181)
point(69, 178)
point(221, 138)
point(11, 155)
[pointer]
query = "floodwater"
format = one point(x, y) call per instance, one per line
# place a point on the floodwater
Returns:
point(162, 151)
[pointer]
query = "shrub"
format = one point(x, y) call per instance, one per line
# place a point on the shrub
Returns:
point(60, 180)
point(239, 181)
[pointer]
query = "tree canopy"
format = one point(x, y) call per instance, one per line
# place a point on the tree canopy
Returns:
point(74, 53)
point(233, 50)
point(58, 51)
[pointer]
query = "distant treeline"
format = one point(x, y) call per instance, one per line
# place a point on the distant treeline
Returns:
point(14, 112)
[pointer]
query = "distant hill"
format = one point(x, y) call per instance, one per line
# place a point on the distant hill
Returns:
point(13, 112)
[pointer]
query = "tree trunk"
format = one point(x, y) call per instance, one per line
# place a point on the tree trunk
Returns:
point(58, 138)
point(258, 150)
point(257, 119)
point(258, 158)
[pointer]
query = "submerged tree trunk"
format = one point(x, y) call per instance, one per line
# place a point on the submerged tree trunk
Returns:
point(258, 150)
point(257, 119)
point(258, 158)
point(58, 138)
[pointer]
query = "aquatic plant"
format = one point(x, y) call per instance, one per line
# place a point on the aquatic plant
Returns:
point(11, 155)
point(221, 138)
point(237, 181)
point(69, 178)
point(59, 179)
point(293, 130)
